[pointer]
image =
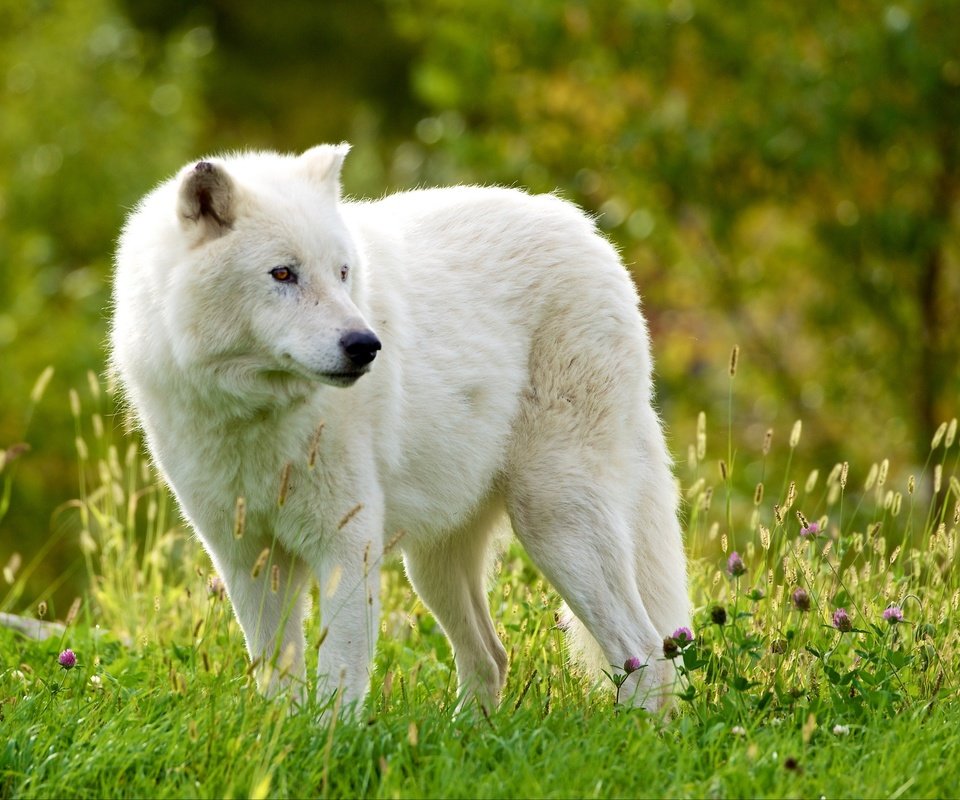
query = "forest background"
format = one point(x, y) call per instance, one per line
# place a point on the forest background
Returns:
point(785, 177)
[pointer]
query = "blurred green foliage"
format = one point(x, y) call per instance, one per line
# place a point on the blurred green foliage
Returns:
point(782, 176)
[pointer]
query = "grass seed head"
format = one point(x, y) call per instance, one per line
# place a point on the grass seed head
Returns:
point(284, 484)
point(795, 433)
point(93, 382)
point(938, 436)
point(41, 385)
point(701, 436)
point(315, 446)
point(73, 611)
point(260, 563)
point(834, 475)
point(868, 484)
point(345, 519)
point(791, 496)
point(239, 518)
point(734, 357)
point(951, 433)
point(11, 567)
point(767, 441)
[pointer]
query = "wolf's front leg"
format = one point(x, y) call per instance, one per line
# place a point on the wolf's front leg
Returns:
point(268, 590)
point(349, 620)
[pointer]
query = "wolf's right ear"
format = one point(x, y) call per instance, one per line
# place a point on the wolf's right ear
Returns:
point(207, 200)
point(323, 164)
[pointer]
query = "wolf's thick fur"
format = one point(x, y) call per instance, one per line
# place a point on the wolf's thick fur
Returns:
point(514, 377)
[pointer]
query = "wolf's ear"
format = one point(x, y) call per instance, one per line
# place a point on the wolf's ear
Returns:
point(324, 162)
point(207, 199)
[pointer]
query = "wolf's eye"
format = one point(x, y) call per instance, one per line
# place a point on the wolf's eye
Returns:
point(344, 271)
point(283, 275)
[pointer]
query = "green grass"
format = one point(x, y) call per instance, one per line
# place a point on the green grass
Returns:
point(774, 702)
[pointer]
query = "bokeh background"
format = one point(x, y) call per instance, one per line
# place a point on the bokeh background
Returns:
point(781, 176)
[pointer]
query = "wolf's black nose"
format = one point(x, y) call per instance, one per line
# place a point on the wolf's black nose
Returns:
point(360, 346)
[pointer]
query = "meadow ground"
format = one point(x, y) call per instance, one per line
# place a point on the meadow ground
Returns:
point(824, 659)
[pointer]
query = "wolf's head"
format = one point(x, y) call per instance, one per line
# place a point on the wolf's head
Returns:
point(244, 266)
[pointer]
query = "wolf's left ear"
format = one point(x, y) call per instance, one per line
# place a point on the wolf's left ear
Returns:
point(324, 162)
point(207, 199)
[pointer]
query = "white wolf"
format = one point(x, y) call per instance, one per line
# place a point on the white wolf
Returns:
point(514, 376)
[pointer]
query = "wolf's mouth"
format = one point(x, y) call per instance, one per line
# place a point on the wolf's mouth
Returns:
point(341, 378)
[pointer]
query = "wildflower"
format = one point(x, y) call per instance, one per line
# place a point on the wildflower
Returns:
point(632, 664)
point(811, 530)
point(718, 615)
point(841, 621)
point(215, 587)
point(893, 615)
point(738, 730)
point(683, 636)
point(670, 647)
point(67, 659)
point(96, 682)
point(801, 600)
point(735, 565)
point(841, 730)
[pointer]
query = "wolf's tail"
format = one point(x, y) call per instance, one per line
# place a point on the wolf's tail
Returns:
point(582, 648)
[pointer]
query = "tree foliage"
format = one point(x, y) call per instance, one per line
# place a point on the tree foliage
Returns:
point(90, 117)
